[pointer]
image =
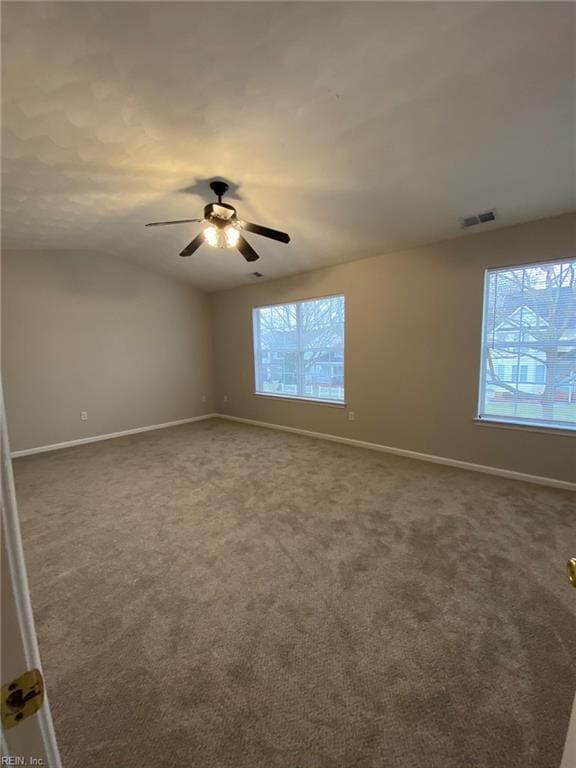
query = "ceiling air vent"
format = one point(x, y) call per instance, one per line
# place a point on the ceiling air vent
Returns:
point(478, 218)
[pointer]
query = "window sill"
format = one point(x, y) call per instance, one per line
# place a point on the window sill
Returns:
point(546, 429)
point(308, 400)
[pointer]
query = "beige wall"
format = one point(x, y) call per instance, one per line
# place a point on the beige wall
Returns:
point(413, 333)
point(134, 348)
point(89, 332)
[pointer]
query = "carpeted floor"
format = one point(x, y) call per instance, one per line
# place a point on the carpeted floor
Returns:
point(223, 596)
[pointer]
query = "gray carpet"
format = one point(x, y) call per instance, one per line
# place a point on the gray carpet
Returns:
point(224, 596)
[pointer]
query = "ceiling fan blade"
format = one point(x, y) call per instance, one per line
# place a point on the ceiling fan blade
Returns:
point(164, 223)
point(194, 245)
point(246, 250)
point(274, 234)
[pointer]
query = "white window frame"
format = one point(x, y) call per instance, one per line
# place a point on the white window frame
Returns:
point(514, 422)
point(297, 398)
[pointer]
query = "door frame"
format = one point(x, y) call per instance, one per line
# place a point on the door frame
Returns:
point(34, 737)
point(569, 759)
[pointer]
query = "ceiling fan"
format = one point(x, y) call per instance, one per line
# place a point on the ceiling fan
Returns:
point(223, 228)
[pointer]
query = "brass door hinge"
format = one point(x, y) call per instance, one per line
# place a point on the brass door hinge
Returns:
point(572, 571)
point(22, 697)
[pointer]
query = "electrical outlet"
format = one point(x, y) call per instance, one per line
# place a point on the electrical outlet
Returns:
point(203, 398)
point(225, 398)
point(84, 415)
point(351, 415)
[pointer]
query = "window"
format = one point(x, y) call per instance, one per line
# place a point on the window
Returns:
point(539, 374)
point(529, 329)
point(519, 373)
point(299, 349)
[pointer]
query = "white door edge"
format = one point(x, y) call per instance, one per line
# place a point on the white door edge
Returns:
point(569, 759)
point(37, 732)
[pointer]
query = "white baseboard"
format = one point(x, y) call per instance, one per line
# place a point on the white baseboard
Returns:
point(110, 436)
point(510, 474)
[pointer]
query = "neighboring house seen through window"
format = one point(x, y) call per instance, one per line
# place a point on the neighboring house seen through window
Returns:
point(528, 371)
point(299, 349)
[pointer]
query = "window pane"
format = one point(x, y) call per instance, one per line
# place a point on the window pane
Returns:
point(278, 372)
point(299, 349)
point(529, 345)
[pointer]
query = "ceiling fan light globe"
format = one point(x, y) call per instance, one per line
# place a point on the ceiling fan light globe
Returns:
point(211, 235)
point(232, 236)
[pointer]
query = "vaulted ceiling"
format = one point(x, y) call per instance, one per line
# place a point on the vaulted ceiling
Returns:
point(359, 128)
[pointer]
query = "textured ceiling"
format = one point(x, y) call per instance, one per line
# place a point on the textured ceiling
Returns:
point(357, 127)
